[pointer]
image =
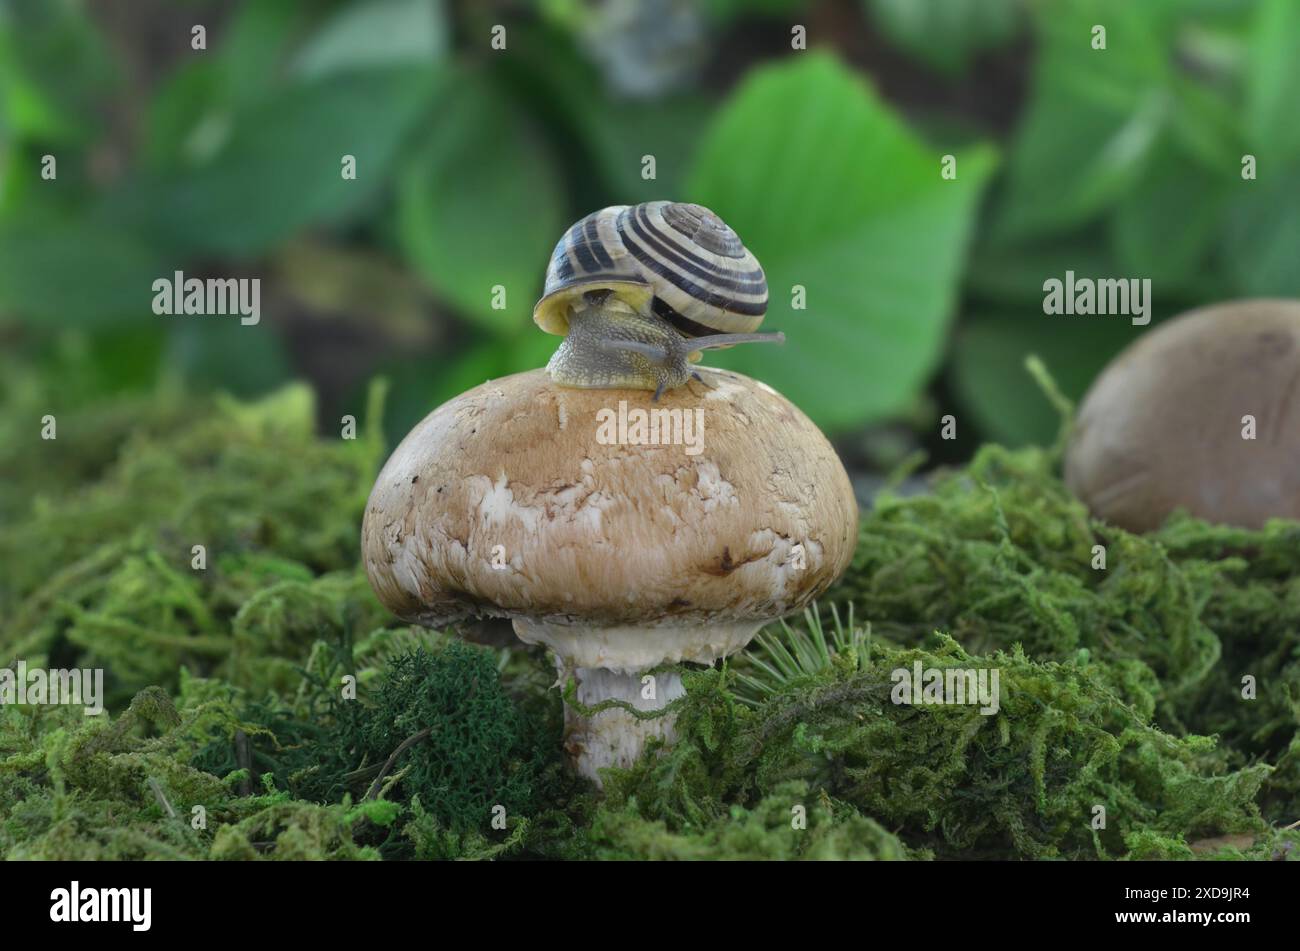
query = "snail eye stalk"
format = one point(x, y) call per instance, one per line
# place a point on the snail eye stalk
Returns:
point(714, 341)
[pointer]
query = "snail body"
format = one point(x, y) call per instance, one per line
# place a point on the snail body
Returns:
point(640, 291)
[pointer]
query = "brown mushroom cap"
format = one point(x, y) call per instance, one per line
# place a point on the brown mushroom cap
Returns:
point(598, 535)
point(1161, 428)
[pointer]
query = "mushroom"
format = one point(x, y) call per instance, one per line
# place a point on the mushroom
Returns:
point(1165, 426)
point(545, 504)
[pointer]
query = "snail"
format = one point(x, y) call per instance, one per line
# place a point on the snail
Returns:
point(639, 291)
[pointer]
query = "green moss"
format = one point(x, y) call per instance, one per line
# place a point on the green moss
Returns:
point(1121, 687)
point(1000, 555)
point(790, 823)
point(482, 752)
point(104, 575)
point(78, 787)
point(1025, 782)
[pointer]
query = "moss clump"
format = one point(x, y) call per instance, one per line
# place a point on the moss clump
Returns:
point(128, 787)
point(78, 787)
point(105, 575)
point(793, 822)
point(1024, 782)
point(226, 683)
point(435, 732)
point(1000, 554)
point(481, 753)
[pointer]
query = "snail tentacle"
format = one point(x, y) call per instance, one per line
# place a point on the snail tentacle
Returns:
point(730, 340)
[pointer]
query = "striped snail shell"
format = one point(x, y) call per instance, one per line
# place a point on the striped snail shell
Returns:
point(681, 259)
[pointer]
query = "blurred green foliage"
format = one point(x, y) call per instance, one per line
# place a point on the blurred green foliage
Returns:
point(1128, 162)
point(946, 34)
point(471, 160)
point(887, 258)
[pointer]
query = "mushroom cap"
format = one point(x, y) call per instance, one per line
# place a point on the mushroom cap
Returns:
point(1161, 428)
point(608, 535)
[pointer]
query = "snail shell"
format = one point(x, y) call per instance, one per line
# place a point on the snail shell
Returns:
point(681, 259)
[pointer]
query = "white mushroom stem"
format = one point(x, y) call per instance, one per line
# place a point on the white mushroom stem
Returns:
point(611, 663)
point(614, 736)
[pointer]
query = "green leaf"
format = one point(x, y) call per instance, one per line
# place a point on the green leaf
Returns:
point(256, 42)
point(832, 192)
point(989, 377)
point(1015, 273)
point(223, 354)
point(1166, 227)
point(1093, 117)
point(1205, 125)
point(666, 130)
point(370, 33)
point(1262, 236)
point(1273, 81)
point(420, 384)
point(602, 140)
point(946, 33)
point(724, 11)
point(191, 115)
point(480, 205)
point(54, 70)
point(122, 357)
point(281, 169)
point(188, 118)
point(73, 272)
point(527, 350)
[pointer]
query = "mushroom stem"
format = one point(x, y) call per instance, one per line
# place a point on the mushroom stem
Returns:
point(614, 736)
point(611, 663)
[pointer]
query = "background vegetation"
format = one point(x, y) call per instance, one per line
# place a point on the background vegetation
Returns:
point(924, 296)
